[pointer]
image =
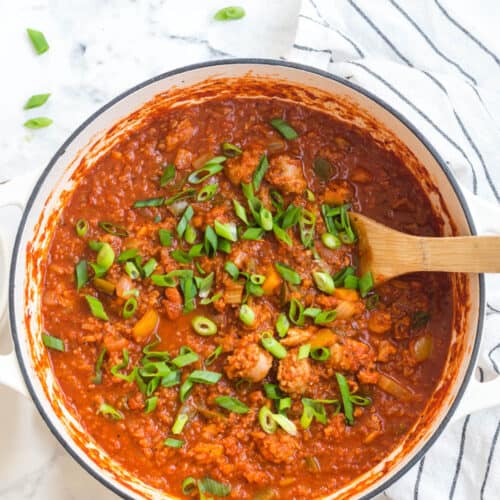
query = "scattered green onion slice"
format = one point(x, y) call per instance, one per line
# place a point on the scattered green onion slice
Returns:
point(109, 411)
point(174, 443)
point(53, 342)
point(232, 270)
point(365, 283)
point(296, 312)
point(81, 274)
point(210, 241)
point(227, 231)
point(240, 211)
point(128, 254)
point(204, 284)
point(232, 404)
point(252, 233)
point(284, 404)
point(38, 122)
point(320, 353)
point(229, 14)
point(304, 351)
point(149, 267)
point(288, 274)
point(151, 404)
point(310, 195)
point(260, 172)
point(132, 271)
point(180, 422)
point(247, 315)
point(271, 345)
point(203, 173)
point(167, 175)
point(282, 235)
point(324, 282)
point(36, 100)
point(266, 420)
point(113, 229)
point(325, 317)
point(96, 308)
point(186, 193)
point(213, 355)
point(185, 359)
point(351, 282)
point(207, 192)
point(272, 391)
point(97, 379)
point(181, 256)
point(188, 486)
point(185, 390)
point(282, 325)
point(231, 150)
point(284, 129)
point(105, 256)
point(204, 377)
point(286, 424)
point(186, 217)
point(149, 202)
point(209, 485)
point(81, 227)
point(266, 219)
point(346, 398)
point(330, 240)
point(129, 308)
point(204, 326)
point(38, 40)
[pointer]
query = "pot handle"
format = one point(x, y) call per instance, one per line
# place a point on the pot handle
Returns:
point(12, 193)
point(480, 395)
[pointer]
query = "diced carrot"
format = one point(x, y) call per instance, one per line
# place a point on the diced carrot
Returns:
point(346, 294)
point(323, 338)
point(146, 325)
point(272, 282)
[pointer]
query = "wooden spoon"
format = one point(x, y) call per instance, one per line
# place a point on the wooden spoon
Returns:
point(388, 253)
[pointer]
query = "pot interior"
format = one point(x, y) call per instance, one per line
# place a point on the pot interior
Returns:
point(235, 79)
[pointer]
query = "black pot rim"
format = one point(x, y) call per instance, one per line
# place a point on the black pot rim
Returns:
point(231, 61)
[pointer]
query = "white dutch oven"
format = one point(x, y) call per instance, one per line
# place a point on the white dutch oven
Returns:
point(314, 88)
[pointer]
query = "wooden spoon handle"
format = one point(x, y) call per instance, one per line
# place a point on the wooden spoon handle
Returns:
point(466, 254)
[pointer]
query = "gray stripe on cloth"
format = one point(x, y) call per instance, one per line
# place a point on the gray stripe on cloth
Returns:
point(490, 458)
point(459, 458)
point(419, 477)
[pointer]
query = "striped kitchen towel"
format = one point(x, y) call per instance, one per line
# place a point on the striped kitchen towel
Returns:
point(436, 61)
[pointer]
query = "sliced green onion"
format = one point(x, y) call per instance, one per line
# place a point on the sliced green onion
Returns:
point(266, 420)
point(307, 224)
point(210, 241)
point(185, 359)
point(224, 246)
point(81, 274)
point(96, 308)
point(213, 355)
point(252, 233)
point(296, 312)
point(240, 211)
point(346, 398)
point(339, 278)
point(232, 270)
point(113, 229)
point(202, 174)
point(312, 312)
point(190, 234)
point(185, 390)
point(360, 400)
point(181, 256)
point(209, 485)
point(97, 379)
point(173, 378)
point(151, 404)
point(167, 175)
point(320, 353)
point(53, 342)
point(284, 404)
point(257, 279)
point(247, 315)
point(365, 283)
point(129, 308)
point(204, 284)
point(291, 216)
point(288, 274)
point(351, 282)
point(282, 325)
point(232, 404)
point(149, 202)
point(272, 391)
point(227, 231)
point(189, 291)
point(149, 267)
point(131, 270)
point(324, 282)
point(38, 122)
point(277, 200)
point(284, 129)
point(105, 256)
point(127, 255)
point(81, 227)
point(271, 345)
point(207, 192)
point(330, 240)
point(310, 195)
point(204, 377)
point(325, 317)
point(266, 219)
point(186, 217)
point(230, 150)
point(38, 40)
point(174, 443)
point(163, 280)
point(186, 193)
point(286, 424)
point(260, 172)
point(282, 235)
point(180, 422)
point(109, 411)
point(204, 326)
point(188, 486)
point(229, 14)
point(304, 351)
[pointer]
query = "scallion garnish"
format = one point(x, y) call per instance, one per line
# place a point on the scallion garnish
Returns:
point(285, 423)
point(81, 274)
point(185, 358)
point(180, 421)
point(296, 312)
point(204, 284)
point(36, 100)
point(105, 257)
point(109, 411)
point(288, 274)
point(282, 235)
point(325, 317)
point(271, 345)
point(365, 283)
point(149, 267)
point(167, 175)
point(174, 443)
point(211, 168)
point(38, 40)
point(53, 342)
point(227, 231)
point(113, 229)
point(209, 485)
point(240, 211)
point(129, 308)
point(132, 271)
point(351, 282)
point(247, 315)
point(128, 254)
point(330, 241)
point(266, 420)
point(204, 326)
point(346, 398)
point(230, 150)
point(204, 377)
point(304, 351)
point(320, 353)
point(96, 308)
point(207, 192)
point(265, 219)
point(282, 325)
point(38, 122)
point(186, 217)
point(307, 225)
point(81, 227)
point(149, 202)
point(97, 379)
point(284, 129)
point(252, 233)
point(232, 404)
point(151, 404)
point(324, 282)
point(186, 193)
point(260, 172)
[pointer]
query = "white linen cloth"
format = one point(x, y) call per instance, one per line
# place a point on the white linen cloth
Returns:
point(436, 61)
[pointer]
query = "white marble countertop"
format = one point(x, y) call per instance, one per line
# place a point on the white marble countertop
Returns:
point(97, 50)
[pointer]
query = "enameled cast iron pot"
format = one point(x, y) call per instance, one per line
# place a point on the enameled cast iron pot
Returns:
point(233, 78)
